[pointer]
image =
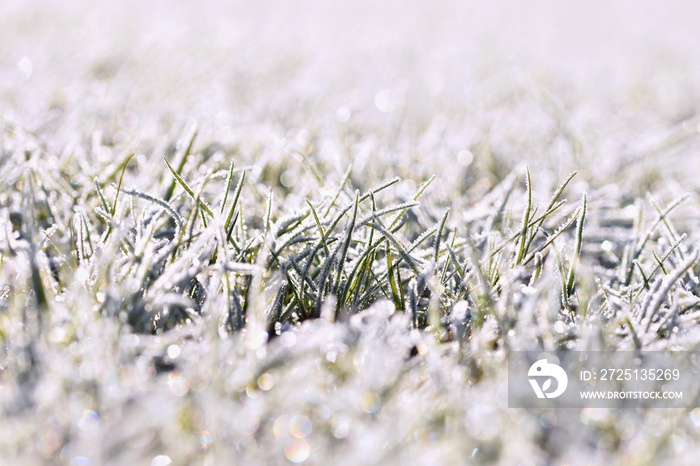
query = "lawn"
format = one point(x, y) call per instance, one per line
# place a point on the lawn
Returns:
point(266, 233)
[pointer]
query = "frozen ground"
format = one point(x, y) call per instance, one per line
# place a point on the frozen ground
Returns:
point(151, 317)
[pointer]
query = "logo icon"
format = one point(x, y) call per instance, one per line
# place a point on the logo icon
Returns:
point(548, 371)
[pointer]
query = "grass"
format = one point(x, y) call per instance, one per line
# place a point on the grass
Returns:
point(312, 276)
point(172, 273)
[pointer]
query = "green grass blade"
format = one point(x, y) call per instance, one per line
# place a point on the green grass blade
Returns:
point(188, 150)
point(188, 190)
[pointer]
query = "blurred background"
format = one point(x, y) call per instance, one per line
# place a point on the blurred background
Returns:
point(609, 88)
